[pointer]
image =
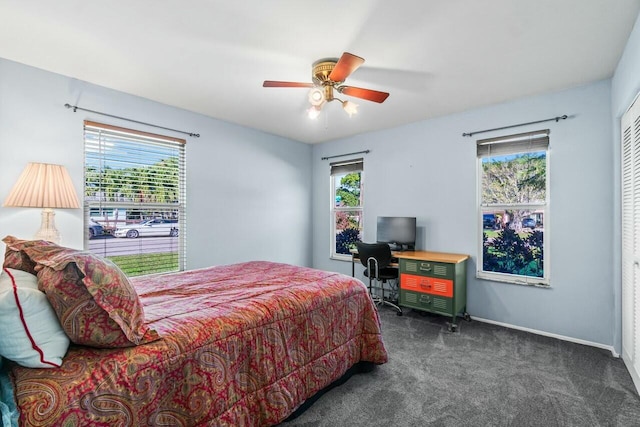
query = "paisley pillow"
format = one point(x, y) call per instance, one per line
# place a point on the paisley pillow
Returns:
point(14, 256)
point(93, 299)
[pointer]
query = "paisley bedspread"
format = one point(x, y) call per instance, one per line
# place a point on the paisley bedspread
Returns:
point(242, 345)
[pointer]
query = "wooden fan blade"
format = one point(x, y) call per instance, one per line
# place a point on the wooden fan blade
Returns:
point(271, 83)
point(368, 94)
point(346, 65)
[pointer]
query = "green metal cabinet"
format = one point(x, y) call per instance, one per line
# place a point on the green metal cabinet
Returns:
point(434, 282)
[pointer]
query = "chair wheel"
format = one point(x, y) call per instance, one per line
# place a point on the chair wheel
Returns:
point(399, 313)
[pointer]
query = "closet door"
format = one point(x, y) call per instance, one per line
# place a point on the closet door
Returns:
point(631, 240)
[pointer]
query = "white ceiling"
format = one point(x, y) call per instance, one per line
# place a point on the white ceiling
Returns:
point(434, 57)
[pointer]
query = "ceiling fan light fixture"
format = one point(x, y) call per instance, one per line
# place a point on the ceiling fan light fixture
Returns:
point(350, 107)
point(314, 111)
point(316, 96)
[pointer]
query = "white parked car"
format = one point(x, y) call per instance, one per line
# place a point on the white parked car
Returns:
point(152, 227)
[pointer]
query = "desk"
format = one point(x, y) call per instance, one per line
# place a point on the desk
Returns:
point(414, 255)
point(435, 282)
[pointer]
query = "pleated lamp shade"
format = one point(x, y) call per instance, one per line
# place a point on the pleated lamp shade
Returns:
point(43, 185)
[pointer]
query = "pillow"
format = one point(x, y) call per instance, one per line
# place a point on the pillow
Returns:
point(14, 256)
point(95, 302)
point(31, 333)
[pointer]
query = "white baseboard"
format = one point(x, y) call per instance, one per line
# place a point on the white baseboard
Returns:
point(547, 334)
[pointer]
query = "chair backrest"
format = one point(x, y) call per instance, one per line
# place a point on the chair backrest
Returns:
point(381, 252)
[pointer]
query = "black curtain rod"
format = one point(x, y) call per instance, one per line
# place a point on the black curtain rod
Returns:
point(75, 107)
point(513, 126)
point(342, 155)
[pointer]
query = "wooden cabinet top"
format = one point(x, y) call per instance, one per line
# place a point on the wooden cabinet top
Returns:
point(431, 256)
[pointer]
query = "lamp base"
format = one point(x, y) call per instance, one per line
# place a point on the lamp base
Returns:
point(48, 229)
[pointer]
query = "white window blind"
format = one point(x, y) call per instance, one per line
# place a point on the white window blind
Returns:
point(528, 142)
point(343, 168)
point(135, 193)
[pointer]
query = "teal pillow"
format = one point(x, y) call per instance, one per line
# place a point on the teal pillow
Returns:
point(8, 410)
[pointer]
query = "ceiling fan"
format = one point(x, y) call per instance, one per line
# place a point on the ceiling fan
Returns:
point(329, 74)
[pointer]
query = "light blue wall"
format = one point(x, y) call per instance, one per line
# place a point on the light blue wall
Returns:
point(248, 192)
point(428, 170)
point(251, 195)
point(625, 85)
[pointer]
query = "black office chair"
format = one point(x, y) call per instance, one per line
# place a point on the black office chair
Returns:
point(376, 258)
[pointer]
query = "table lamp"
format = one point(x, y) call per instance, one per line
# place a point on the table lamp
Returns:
point(43, 185)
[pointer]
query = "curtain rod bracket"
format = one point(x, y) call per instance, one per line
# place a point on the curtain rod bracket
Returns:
point(76, 108)
point(557, 119)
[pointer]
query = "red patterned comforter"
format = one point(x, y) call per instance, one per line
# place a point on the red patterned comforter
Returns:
point(243, 345)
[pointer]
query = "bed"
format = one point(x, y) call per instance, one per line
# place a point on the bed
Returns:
point(238, 345)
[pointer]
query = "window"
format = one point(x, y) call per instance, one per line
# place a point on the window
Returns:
point(346, 207)
point(134, 198)
point(513, 191)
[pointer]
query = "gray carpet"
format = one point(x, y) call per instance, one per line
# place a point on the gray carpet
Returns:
point(483, 375)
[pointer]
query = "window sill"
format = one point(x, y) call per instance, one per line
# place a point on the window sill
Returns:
point(510, 279)
point(341, 258)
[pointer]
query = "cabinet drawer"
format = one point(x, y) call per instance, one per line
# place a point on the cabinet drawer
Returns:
point(426, 285)
point(427, 268)
point(426, 302)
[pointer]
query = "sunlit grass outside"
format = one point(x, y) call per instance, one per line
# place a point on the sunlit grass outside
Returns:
point(141, 264)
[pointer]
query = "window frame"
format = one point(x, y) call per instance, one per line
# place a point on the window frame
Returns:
point(352, 166)
point(137, 150)
point(535, 141)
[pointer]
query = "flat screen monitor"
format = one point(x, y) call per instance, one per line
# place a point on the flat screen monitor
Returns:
point(398, 231)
